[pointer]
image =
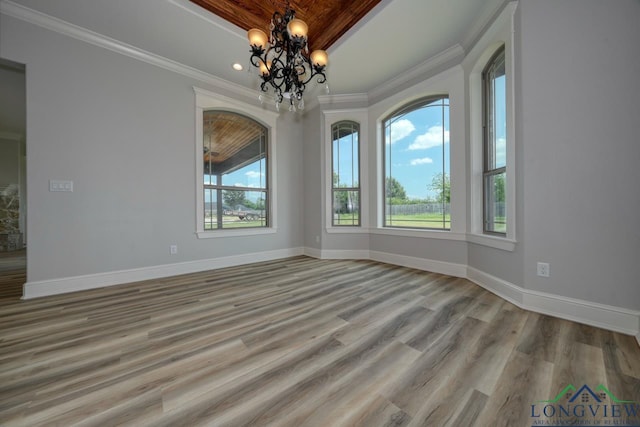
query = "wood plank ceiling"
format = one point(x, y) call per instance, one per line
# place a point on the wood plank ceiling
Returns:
point(226, 134)
point(327, 19)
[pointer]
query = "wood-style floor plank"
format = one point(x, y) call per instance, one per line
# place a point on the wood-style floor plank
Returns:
point(294, 342)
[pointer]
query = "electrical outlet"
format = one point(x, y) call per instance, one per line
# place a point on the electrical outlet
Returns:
point(173, 249)
point(543, 269)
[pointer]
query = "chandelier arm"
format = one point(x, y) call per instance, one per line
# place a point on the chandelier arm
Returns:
point(285, 64)
point(256, 58)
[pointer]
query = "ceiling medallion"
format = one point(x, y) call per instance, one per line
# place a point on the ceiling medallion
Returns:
point(284, 61)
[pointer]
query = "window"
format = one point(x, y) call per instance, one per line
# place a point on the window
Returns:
point(234, 171)
point(345, 190)
point(416, 162)
point(495, 145)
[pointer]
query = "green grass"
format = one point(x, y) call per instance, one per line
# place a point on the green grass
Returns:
point(500, 225)
point(426, 220)
point(346, 219)
point(235, 222)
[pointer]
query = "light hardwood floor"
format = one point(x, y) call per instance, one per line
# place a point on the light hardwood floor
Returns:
point(295, 342)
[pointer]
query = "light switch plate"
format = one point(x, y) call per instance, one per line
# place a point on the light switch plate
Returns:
point(59, 185)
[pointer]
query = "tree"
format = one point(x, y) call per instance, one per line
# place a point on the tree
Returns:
point(344, 201)
point(499, 188)
point(394, 190)
point(233, 198)
point(441, 185)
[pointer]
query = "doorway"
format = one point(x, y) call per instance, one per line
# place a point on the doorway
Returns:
point(13, 174)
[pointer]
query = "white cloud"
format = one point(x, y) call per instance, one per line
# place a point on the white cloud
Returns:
point(254, 174)
point(401, 129)
point(422, 161)
point(431, 138)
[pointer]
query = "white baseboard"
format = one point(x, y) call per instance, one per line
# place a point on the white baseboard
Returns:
point(600, 315)
point(92, 281)
point(313, 252)
point(337, 254)
point(590, 313)
point(442, 267)
point(501, 288)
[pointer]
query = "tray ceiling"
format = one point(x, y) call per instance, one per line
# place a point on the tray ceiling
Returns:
point(327, 19)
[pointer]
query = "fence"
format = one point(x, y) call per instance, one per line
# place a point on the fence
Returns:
point(420, 208)
point(499, 209)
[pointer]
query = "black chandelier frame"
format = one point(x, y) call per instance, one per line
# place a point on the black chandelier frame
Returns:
point(285, 65)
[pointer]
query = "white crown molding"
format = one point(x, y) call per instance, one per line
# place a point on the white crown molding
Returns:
point(57, 25)
point(359, 98)
point(478, 29)
point(451, 56)
point(211, 18)
point(80, 283)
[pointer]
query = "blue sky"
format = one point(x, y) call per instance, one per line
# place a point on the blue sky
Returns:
point(252, 176)
point(416, 143)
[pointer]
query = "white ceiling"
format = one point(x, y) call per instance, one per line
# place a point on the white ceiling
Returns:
point(395, 36)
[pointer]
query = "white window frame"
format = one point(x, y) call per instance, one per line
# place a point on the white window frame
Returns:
point(358, 171)
point(330, 117)
point(405, 109)
point(207, 100)
point(490, 169)
point(501, 32)
point(451, 83)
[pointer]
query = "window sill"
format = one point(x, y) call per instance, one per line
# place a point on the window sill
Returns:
point(414, 232)
point(502, 243)
point(235, 233)
point(347, 230)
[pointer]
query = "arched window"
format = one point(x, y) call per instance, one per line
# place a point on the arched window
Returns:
point(236, 193)
point(494, 171)
point(345, 169)
point(416, 162)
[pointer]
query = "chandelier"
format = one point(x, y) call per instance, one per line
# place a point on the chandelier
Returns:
point(284, 61)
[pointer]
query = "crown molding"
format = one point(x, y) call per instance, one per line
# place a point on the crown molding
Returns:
point(343, 99)
point(23, 13)
point(210, 18)
point(449, 57)
point(480, 28)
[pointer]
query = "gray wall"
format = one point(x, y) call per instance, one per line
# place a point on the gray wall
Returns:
point(313, 225)
point(123, 132)
point(579, 124)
